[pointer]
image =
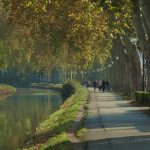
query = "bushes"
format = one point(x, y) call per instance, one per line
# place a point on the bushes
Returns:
point(69, 88)
point(143, 97)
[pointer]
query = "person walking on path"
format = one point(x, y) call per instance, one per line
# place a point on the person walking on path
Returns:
point(100, 85)
point(103, 85)
point(86, 83)
point(107, 84)
point(95, 85)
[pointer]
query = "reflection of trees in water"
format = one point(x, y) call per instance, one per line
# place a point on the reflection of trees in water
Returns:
point(19, 115)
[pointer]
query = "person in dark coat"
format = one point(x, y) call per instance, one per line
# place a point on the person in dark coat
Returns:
point(87, 84)
point(103, 85)
point(100, 85)
point(107, 85)
point(95, 85)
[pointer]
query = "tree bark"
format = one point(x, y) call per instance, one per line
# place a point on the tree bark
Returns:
point(126, 71)
point(145, 8)
point(120, 71)
point(134, 64)
point(142, 28)
point(138, 23)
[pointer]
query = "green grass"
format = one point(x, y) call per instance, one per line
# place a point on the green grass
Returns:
point(58, 142)
point(80, 133)
point(53, 131)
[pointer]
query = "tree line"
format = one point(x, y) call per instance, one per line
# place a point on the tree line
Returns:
point(73, 35)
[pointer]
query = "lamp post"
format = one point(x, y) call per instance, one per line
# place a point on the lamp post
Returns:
point(143, 70)
point(113, 72)
point(109, 67)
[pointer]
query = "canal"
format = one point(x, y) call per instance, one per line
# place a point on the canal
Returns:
point(21, 113)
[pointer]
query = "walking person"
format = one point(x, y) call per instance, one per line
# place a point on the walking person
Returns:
point(87, 84)
point(103, 85)
point(100, 85)
point(107, 85)
point(95, 85)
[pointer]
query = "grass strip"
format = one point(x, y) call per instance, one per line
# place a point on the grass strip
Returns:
point(54, 129)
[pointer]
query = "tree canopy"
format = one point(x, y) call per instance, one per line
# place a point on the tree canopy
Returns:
point(66, 34)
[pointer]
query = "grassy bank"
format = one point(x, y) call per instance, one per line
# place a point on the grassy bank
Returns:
point(6, 89)
point(47, 86)
point(52, 133)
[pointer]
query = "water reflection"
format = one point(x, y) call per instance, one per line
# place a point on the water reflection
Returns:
point(21, 113)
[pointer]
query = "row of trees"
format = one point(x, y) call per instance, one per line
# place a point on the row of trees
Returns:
point(129, 72)
point(125, 69)
point(66, 34)
point(73, 35)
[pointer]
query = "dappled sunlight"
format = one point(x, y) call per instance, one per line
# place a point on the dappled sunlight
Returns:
point(111, 121)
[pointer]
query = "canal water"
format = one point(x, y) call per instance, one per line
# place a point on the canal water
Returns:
point(22, 112)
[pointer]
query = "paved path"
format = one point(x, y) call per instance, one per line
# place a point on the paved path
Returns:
point(114, 124)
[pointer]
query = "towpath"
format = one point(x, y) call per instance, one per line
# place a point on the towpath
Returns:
point(114, 124)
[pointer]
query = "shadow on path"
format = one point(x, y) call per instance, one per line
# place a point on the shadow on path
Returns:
point(114, 124)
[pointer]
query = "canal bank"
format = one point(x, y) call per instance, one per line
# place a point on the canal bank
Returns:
point(53, 132)
point(41, 85)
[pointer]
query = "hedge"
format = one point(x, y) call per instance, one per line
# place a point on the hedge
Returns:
point(69, 88)
point(143, 97)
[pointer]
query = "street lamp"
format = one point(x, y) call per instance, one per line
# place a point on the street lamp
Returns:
point(108, 69)
point(117, 58)
point(143, 70)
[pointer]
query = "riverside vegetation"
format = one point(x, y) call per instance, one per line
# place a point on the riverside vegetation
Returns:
point(47, 86)
point(143, 97)
point(52, 133)
point(6, 89)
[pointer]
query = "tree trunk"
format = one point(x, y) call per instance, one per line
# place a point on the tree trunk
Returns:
point(145, 8)
point(138, 23)
point(142, 28)
point(126, 68)
point(132, 54)
point(120, 74)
